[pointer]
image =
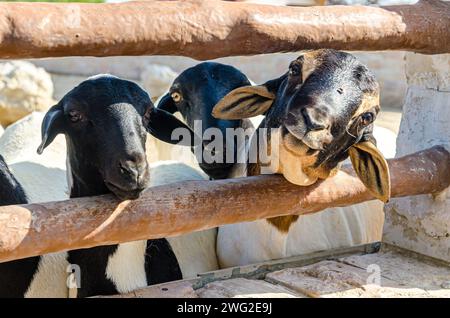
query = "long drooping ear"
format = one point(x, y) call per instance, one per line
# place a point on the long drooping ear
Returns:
point(247, 101)
point(166, 103)
point(162, 124)
point(51, 126)
point(372, 168)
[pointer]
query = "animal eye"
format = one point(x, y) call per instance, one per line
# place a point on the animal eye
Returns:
point(176, 97)
point(75, 116)
point(367, 118)
point(340, 90)
point(295, 70)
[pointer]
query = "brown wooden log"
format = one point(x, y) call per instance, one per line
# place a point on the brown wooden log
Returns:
point(171, 210)
point(207, 29)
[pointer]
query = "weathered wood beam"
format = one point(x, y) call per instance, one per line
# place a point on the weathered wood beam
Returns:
point(207, 29)
point(189, 206)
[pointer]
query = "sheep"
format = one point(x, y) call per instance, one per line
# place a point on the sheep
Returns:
point(164, 151)
point(105, 135)
point(42, 179)
point(260, 241)
point(193, 94)
point(15, 276)
point(42, 276)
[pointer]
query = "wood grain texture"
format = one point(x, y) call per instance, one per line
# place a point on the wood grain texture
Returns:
point(207, 29)
point(184, 207)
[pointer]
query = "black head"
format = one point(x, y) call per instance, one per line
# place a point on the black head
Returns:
point(325, 106)
point(105, 121)
point(195, 92)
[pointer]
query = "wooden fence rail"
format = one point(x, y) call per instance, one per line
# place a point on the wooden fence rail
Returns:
point(184, 207)
point(206, 29)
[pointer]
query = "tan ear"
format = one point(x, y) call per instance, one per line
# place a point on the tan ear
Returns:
point(372, 169)
point(244, 102)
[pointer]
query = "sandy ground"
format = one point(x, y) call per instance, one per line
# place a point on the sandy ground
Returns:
point(388, 118)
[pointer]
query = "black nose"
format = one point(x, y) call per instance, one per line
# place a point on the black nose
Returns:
point(133, 166)
point(314, 119)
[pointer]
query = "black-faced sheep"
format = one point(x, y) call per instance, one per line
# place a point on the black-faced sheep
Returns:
point(105, 121)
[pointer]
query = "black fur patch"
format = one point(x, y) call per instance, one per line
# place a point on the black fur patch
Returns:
point(161, 264)
point(93, 263)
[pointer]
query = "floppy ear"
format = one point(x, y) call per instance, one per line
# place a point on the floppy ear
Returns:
point(248, 101)
point(244, 102)
point(372, 168)
point(161, 124)
point(166, 103)
point(51, 126)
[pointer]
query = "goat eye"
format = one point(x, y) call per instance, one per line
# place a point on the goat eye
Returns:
point(295, 70)
point(176, 97)
point(340, 90)
point(367, 118)
point(75, 116)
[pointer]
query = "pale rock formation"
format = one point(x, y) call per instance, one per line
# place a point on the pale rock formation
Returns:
point(24, 88)
point(422, 223)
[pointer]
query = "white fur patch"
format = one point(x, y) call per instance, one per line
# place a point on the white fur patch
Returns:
point(50, 278)
point(258, 241)
point(195, 252)
point(126, 267)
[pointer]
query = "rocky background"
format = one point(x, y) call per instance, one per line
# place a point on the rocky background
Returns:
point(34, 85)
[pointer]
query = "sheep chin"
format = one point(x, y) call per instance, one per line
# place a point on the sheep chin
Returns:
point(121, 194)
point(292, 167)
point(290, 159)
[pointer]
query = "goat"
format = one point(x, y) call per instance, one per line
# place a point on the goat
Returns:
point(261, 240)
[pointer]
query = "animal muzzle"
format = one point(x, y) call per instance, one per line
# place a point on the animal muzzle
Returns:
point(308, 127)
point(128, 179)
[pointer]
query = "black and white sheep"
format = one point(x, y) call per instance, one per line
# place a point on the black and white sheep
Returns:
point(15, 276)
point(105, 121)
point(39, 276)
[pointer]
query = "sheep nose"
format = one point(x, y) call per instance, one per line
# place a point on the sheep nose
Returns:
point(134, 166)
point(314, 119)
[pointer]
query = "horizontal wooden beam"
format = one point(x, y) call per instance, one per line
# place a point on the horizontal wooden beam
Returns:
point(207, 29)
point(174, 209)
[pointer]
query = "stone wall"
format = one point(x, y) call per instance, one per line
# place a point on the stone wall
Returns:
point(422, 223)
